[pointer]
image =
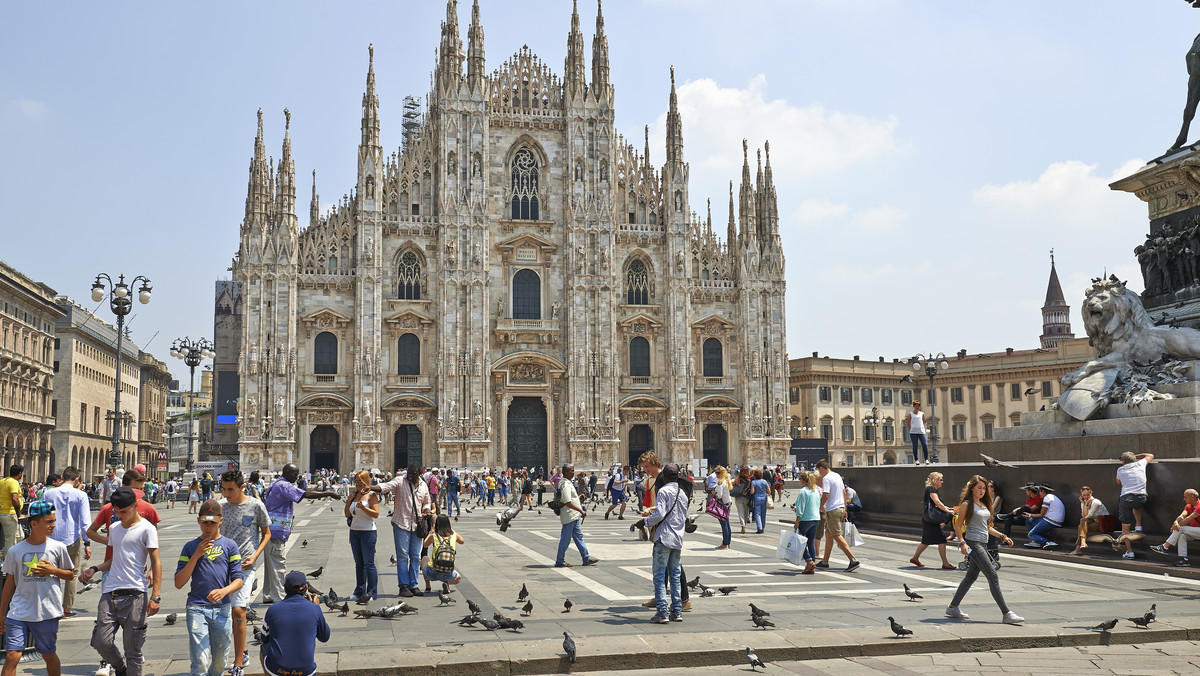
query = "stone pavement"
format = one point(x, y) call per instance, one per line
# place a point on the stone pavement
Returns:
point(830, 615)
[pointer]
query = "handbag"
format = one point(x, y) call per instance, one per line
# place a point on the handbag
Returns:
point(850, 532)
point(717, 508)
point(422, 528)
point(791, 547)
point(934, 515)
point(770, 502)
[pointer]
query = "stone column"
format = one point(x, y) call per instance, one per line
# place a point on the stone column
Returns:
point(973, 414)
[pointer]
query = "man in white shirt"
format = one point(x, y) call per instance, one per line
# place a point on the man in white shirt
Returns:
point(571, 516)
point(914, 422)
point(1051, 515)
point(833, 514)
point(1131, 477)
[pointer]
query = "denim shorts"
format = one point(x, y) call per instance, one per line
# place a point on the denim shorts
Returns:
point(440, 577)
point(44, 634)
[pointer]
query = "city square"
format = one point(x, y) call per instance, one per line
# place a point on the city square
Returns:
point(948, 293)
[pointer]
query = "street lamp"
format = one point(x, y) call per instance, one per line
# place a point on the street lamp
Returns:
point(874, 421)
point(192, 352)
point(120, 303)
point(931, 364)
point(804, 428)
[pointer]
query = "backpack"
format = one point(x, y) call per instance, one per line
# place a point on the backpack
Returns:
point(443, 556)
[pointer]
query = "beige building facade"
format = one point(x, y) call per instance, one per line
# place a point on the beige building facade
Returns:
point(517, 285)
point(28, 313)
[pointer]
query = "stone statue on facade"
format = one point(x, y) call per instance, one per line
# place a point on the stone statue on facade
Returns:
point(253, 358)
point(251, 408)
point(1193, 92)
point(1132, 353)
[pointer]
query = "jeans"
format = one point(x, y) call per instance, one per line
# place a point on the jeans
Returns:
point(1039, 526)
point(452, 499)
point(726, 531)
point(491, 496)
point(408, 556)
point(127, 613)
point(809, 530)
point(366, 577)
point(979, 561)
point(666, 574)
point(571, 531)
point(759, 509)
point(924, 446)
point(274, 568)
point(210, 631)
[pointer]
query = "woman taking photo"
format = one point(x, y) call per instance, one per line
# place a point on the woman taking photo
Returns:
point(759, 492)
point(931, 531)
point(362, 508)
point(721, 494)
point(808, 515)
point(973, 530)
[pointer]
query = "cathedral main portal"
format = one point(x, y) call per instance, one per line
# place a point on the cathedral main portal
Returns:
point(527, 433)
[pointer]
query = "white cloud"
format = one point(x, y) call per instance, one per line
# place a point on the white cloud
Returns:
point(881, 218)
point(29, 108)
point(1069, 193)
point(818, 210)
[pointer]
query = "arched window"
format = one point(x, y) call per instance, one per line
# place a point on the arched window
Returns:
point(637, 283)
point(409, 276)
point(325, 353)
point(714, 366)
point(524, 186)
point(527, 295)
point(408, 355)
point(639, 357)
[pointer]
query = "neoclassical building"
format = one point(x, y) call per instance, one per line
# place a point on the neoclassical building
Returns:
point(516, 285)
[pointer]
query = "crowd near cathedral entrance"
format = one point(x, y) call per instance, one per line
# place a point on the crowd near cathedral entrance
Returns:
point(517, 284)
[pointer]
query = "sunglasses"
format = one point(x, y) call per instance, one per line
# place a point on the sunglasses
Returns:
point(209, 518)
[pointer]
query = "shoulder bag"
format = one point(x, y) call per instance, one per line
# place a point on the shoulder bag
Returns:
point(422, 524)
point(934, 515)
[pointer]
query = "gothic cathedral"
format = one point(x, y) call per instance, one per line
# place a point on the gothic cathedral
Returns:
point(516, 286)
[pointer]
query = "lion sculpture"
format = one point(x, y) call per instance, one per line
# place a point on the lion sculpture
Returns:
point(1124, 335)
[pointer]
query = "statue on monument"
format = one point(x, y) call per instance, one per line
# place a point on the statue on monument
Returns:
point(1193, 93)
point(1132, 353)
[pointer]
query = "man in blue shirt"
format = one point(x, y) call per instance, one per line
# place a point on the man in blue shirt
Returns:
point(74, 514)
point(453, 484)
point(292, 628)
point(279, 499)
point(213, 563)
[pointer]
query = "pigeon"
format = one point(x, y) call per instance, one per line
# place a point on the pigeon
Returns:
point(504, 519)
point(992, 463)
point(489, 624)
point(760, 621)
point(694, 583)
point(1106, 626)
point(171, 618)
point(365, 613)
point(511, 624)
point(443, 599)
point(85, 587)
point(1143, 621)
point(251, 615)
point(402, 607)
point(528, 607)
point(259, 636)
point(332, 595)
point(753, 660)
point(707, 592)
point(755, 610)
point(497, 616)
point(317, 573)
point(1152, 613)
point(523, 594)
point(331, 604)
point(912, 595)
point(567, 604)
point(345, 609)
point(1117, 542)
point(899, 629)
point(726, 591)
point(474, 608)
point(569, 647)
point(388, 612)
point(906, 379)
point(303, 544)
point(392, 560)
point(468, 620)
point(255, 587)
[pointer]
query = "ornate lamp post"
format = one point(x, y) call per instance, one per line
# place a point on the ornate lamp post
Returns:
point(192, 352)
point(804, 428)
point(874, 421)
point(120, 303)
point(931, 364)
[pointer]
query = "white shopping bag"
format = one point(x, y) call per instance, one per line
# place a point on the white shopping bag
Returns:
point(791, 547)
point(850, 532)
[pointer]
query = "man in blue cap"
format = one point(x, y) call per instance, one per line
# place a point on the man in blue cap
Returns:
point(292, 628)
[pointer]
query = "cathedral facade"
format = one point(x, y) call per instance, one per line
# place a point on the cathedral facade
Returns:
point(517, 286)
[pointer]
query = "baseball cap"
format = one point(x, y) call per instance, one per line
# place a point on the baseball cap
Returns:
point(40, 508)
point(123, 497)
point(210, 510)
point(295, 581)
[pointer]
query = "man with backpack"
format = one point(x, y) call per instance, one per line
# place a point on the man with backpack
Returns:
point(571, 514)
point(667, 520)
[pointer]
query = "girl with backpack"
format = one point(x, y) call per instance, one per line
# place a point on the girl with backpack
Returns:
point(443, 543)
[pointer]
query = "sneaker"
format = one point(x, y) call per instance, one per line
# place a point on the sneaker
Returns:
point(951, 611)
point(1181, 563)
point(104, 669)
point(620, 518)
point(237, 671)
point(268, 599)
point(822, 564)
point(659, 618)
point(564, 564)
point(405, 593)
point(687, 605)
point(676, 618)
point(1159, 549)
point(245, 657)
point(1137, 529)
point(606, 516)
point(1012, 618)
point(1032, 545)
point(853, 566)
point(417, 592)
point(1050, 545)
point(1128, 555)
point(363, 601)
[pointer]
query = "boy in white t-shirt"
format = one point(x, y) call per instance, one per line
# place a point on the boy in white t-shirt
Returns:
point(31, 605)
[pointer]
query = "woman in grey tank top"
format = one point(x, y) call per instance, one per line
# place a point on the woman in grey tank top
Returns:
point(973, 528)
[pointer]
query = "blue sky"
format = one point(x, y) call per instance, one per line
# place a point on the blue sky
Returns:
point(927, 153)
